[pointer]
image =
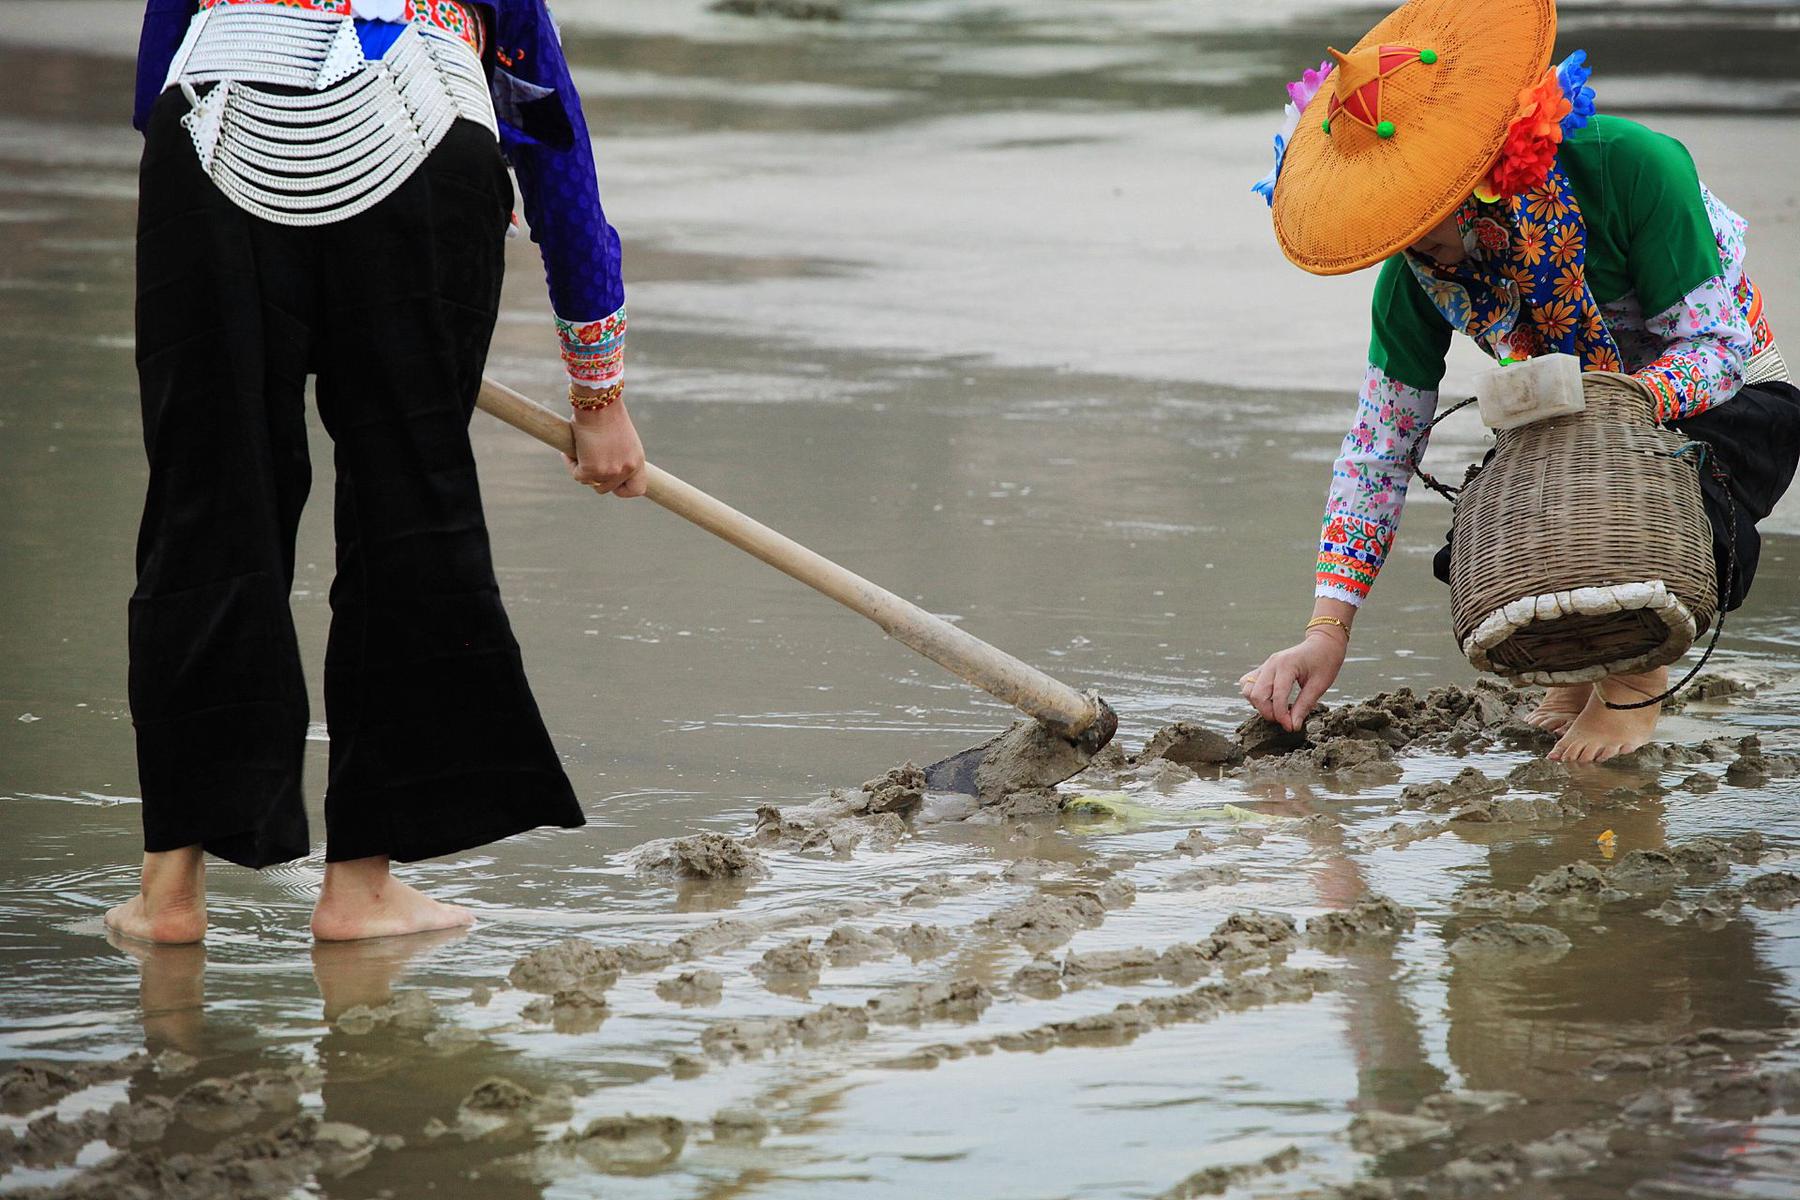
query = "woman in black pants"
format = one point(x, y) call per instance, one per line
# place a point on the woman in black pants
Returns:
point(323, 193)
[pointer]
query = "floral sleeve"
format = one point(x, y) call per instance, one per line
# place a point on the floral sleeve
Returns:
point(1707, 339)
point(1710, 331)
point(1368, 485)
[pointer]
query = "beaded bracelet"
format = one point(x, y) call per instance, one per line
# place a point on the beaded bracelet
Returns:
point(594, 401)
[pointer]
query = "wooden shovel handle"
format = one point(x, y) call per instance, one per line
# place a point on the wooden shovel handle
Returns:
point(995, 672)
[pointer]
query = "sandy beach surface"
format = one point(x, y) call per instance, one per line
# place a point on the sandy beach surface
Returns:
point(975, 299)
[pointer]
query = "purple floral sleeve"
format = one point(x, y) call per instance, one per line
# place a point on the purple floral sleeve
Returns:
point(1368, 485)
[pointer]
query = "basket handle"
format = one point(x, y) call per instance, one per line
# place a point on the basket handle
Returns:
point(1418, 452)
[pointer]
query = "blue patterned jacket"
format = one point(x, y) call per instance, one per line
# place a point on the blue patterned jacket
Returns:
point(542, 132)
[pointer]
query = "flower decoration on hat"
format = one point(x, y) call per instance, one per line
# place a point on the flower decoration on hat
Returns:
point(1559, 103)
point(1300, 94)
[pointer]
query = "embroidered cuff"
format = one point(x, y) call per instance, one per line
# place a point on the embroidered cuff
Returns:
point(593, 352)
point(1341, 577)
point(1663, 392)
point(1351, 551)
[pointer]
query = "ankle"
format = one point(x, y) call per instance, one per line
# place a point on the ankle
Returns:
point(174, 879)
point(1637, 687)
point(359, 881)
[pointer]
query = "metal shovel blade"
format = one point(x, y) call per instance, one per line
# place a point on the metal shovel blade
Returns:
point(1028, 755)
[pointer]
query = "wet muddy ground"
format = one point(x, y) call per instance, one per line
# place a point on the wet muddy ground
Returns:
point(973, 299)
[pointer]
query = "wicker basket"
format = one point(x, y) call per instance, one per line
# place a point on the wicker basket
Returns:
point(1582, 549)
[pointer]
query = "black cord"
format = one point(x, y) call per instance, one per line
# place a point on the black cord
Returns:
point(1418, 452)
point(1710, 462)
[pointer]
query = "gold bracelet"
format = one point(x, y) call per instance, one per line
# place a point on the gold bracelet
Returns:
point(1316, 622)
point(597, 400)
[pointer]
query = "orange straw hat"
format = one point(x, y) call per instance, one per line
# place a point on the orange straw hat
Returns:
point(1404, 128)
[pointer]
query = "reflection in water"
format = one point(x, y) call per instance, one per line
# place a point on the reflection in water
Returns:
point(171, 994)
point(855, 255)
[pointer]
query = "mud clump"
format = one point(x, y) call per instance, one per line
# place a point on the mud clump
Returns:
point(563, 965)
point(1448, 717)
point(1377, 1132)
point(791, 968)
point(1371, 917)
point(1047, 920)
point(412, 1011)
point(1404, 834)
point(1025, 804)
point(1540, 775)
point(1755, 766)
point(1196, 878)
point(1576, 881)
point(1776, 889)
point(499, 1109)
point(1258, 736)
point(1511, 942)
point(1129, 1020)
point(1041, 978)
point(54, 1141)
point(1703, 856)
point(901, 791)
point(1724, 684)
point(1500, 902)
point(920, 942)
point(623, 1145)
point(913, 1003)
point(753, 1036)
point(1242, 940)
point(876, 815)
point(1351, 759)
point(1195, 844)
point(1192, 746)
point(943, 885)
point(268, 1164)
point(1112, 966)
point(224, 1105)
point(576, 1009)
point(1646, 871)
point(849, 945)
point(698, 856)
point(1115, 894)
point(692, 987)
point(745, 1126)
point(1215, 1181)
point(27, 1086)
point(1468, 787)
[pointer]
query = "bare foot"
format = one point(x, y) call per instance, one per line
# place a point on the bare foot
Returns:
point(1600, 733)
point(1560, 706)
point(170, 906)
point(361, 899)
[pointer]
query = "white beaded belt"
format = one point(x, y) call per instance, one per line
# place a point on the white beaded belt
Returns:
point(1766, 366)
point(355, 134)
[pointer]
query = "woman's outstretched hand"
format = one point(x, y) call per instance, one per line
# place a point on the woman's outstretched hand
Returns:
point(609, 456)
point(1313, 665)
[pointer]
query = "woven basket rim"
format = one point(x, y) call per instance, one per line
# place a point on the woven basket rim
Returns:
point(1497, 628)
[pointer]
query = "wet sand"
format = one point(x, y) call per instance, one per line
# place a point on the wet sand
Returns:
point(932, 289)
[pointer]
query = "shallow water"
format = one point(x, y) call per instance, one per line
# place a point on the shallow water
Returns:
point(972, 299)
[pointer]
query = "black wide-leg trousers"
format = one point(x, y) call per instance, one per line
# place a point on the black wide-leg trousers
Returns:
point(436, 742)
